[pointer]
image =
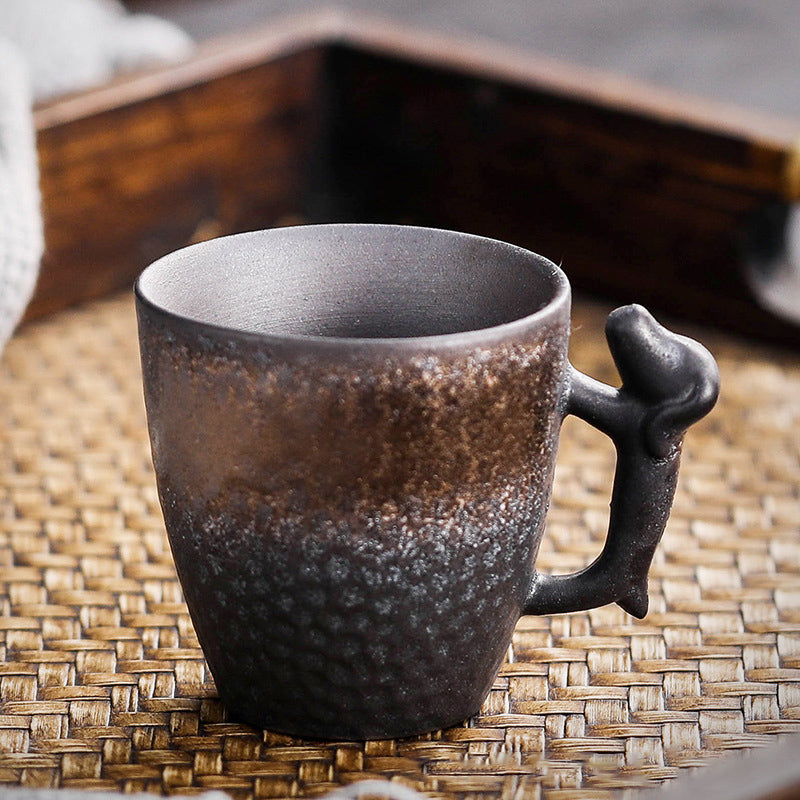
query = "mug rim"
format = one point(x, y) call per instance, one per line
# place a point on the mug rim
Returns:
point(551, 309)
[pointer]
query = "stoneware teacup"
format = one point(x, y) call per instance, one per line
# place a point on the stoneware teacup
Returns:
point(354, 429)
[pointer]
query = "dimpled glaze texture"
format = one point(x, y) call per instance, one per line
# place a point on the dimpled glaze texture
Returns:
point(354, 531)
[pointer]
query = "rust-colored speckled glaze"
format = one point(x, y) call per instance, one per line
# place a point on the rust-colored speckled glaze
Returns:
point(354, 519)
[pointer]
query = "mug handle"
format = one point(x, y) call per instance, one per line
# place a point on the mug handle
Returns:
point(669, 382)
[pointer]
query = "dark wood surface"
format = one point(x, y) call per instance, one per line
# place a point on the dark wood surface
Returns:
point(135, 170)
point(635, 207)
point(640, 193)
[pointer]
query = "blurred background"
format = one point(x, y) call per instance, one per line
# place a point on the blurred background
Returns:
point(699, 182)
point(732, 50)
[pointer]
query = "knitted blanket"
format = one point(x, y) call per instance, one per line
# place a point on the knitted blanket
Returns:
point(48, 47)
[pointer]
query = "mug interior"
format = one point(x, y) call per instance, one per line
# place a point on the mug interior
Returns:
point(352, 281)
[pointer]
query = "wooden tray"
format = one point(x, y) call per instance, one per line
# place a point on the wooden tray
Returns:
point(641, 194)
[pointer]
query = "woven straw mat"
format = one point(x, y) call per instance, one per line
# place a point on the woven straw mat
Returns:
point(102, 682)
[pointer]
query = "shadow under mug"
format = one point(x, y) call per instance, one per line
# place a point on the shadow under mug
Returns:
point(354, 430)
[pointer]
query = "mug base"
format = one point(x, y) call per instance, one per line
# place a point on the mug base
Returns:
point(301, 727)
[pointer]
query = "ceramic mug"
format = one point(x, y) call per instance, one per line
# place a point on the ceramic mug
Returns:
point(354, 429)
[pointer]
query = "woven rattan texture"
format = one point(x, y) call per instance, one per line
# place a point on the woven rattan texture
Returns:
point(102, 683)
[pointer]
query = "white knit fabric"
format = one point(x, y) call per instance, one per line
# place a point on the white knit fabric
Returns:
point(48, 47)
point(20, 220)
point(72, 44)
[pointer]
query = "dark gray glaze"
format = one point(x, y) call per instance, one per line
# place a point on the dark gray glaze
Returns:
point(354, 431)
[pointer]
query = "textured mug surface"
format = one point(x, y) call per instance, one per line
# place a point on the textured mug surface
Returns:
point(354, 431)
